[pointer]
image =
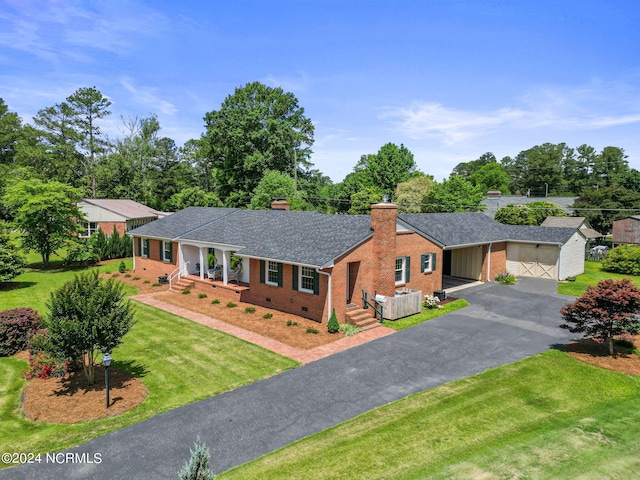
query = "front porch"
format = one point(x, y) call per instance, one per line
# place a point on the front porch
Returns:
point(238, 287)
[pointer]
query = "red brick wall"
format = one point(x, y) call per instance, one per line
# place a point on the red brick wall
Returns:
point(153, 267)
point(363, 255)
point(107, 227)
point(384, 217)
point(285, 298)
point(412, 245)
point(498, 260)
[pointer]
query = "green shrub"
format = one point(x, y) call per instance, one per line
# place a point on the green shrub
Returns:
point(137, 278)
point(332, 325)
point(43, 365)
point(17, 326)
point(349, 330)
point(231, 305)
point(312, 330)
point(291, 323)
point(249, 310)
point(623, 259)
point(267, 316)
point(186, 291)
point(197, 468)
point(127, 275)
point(115, 275)
point(146, 281)
point(506, 278)
point(122, 267)
point(215, 301)
point(157, 284)
point(202, 295)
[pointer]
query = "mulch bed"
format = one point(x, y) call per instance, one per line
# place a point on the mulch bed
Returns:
point(597, 354)
point(71, 399)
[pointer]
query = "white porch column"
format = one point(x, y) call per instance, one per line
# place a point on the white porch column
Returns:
point(203, 262)
point(226, 261)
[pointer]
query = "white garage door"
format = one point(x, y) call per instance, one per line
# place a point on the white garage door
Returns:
point(539, 262)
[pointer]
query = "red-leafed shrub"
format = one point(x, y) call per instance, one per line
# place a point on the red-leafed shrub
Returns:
point(604, 311)
point(42, 365)
point(17, 326)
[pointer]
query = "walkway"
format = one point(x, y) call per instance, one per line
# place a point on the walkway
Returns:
point(298, 354)
point(502, 325)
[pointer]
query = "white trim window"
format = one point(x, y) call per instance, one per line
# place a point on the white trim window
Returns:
point(400, 268)
point(426, 263)
point(145, 247)
point(89, 229)
point(166, 251)
point(307, 280)
point(272, 273)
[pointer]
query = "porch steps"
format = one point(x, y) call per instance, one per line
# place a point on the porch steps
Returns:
point(361, 318)
point(183, 284)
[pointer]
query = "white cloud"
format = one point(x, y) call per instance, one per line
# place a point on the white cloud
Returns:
point(596, 105)
point(148, 97)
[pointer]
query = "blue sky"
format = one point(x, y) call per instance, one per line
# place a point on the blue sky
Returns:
point(450, 80)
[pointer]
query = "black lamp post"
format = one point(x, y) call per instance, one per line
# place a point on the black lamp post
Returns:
point(106, 360)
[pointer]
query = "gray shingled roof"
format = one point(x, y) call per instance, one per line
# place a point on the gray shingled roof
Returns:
point(179, 223)
point(573, 222)
point(295, 237)
point(454, 229)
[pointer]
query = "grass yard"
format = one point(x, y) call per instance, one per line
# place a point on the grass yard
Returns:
point(592, 275)
point(426, 314)
point(32, 288)
point(548, 416)
point(179, 361)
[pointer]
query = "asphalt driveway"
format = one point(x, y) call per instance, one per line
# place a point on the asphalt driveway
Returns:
point(502, 325)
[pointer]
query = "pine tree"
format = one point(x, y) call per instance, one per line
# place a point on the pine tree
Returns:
point(333, 326)
point(197, 468)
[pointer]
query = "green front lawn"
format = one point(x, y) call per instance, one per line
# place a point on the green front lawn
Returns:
point(179, 362)
point(592, 275)
point(548, 416)
point(426, 314)
point(32, 288)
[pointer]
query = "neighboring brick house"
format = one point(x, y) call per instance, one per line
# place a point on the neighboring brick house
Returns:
point(626, 231)
point(309, 263)
point(124, 215)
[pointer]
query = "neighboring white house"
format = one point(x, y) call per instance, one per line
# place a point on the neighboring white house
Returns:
point(123, 214)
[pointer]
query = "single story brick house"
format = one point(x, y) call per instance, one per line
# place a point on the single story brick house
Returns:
point(309, 263)
point(123, 214)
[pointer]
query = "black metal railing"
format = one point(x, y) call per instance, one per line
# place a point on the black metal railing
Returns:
point(369, 300)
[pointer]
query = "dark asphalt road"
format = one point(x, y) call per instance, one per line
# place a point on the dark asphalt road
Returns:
point(502, 325)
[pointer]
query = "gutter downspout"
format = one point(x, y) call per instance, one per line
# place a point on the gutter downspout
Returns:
point(328, 291)
point(489, 262)
point(559, 260)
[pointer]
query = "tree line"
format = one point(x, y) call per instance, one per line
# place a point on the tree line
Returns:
point(256, 147)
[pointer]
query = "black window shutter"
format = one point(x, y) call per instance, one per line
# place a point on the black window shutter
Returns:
point(423, 258)
point(261, 271)
point(316, 283)
point(161, 246)
point(407, 269)
point(433, 261)
point(171, 251)
point(294, 277)
point(280, 275)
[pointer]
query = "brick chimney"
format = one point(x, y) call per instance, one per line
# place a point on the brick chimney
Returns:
point(280, 205)
point(384, 217)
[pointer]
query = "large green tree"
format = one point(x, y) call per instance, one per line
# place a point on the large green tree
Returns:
point(46, 214)
point(193, 197)
point(533, 213)
point(608, 166)
point(453, 195)
point(257, 128)
point(10, 133)
point(408, 195)
point(12, 262)
point(387, 168)
point(273, 185)
point(601, 206)
point(467, 169)
point(89, 106)
point(87, 315)
point(492, 176)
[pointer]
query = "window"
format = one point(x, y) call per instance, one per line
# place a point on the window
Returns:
point(400, 264)
point(145, 247)
point(307, 279)
point(166, 251)
point(427, 262)
point(273, 273)
point(89, 229)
